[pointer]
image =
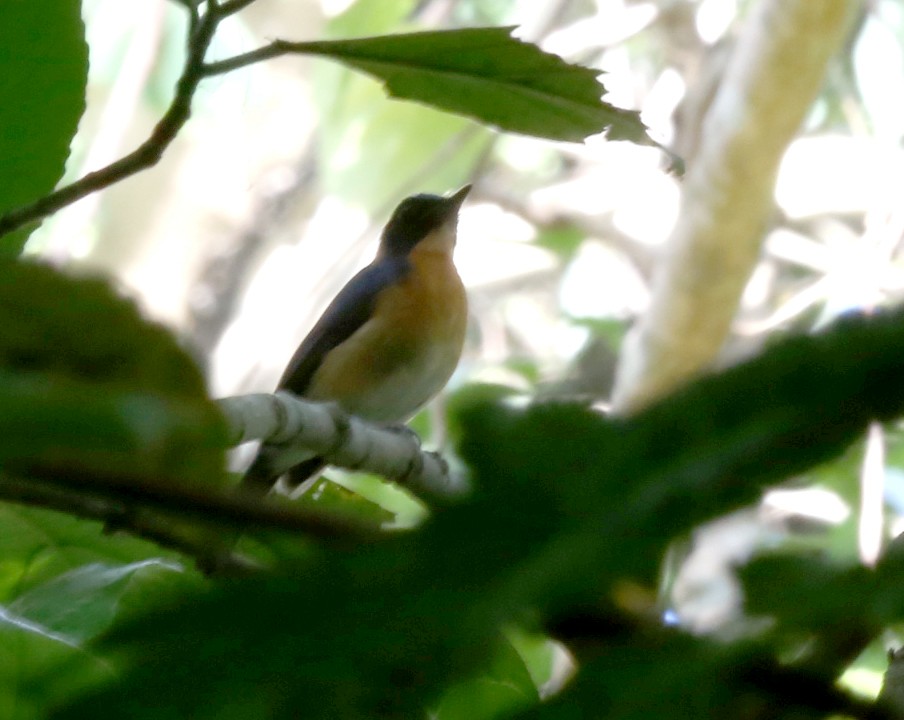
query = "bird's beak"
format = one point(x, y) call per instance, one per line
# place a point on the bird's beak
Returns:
point(453, 202)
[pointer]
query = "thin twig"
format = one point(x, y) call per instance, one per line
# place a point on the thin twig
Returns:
point(276, 48)
point(238, 509)
point(156, 528)
point(230, 7)
point(147, 154)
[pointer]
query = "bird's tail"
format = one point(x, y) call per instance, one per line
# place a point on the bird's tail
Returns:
point(261, 476)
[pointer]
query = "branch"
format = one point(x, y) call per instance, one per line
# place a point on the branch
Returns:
point(151, 509)
point(277, 48)
point(201, 33)
point(343, 440)
point(115, 515)
point(222, 506)
point(769, 85)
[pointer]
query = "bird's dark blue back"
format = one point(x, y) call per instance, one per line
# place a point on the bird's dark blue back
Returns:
point(351, 308)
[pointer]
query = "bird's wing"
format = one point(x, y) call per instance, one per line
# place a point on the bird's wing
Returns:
point(351, 308)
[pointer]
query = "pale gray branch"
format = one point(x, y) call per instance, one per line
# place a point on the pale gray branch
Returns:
point(769, 85)
point(342, 439)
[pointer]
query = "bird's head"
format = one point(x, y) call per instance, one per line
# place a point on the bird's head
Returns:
point(422, 217)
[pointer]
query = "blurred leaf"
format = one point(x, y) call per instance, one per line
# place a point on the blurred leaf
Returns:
point(894, 468)
point(611, 330)
point(568, 504)
point(806, 593)
point(562, 239)
point(39, 545)
point(503, 688)
point(376, 148)
point(331, 496)
point(467, 397)
point(698, 454)
point(486, 74)
point(537, 651)
point(50, 426)
point(81, 603)
point(42, 96)
point(526, 367)
point(812, 593)
point(39, 669)
point(369, 18)
point(341, 640)
point(90, 385)
point(663, 674)
point(80, 328)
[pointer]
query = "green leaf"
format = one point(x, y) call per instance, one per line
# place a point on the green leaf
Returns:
point(664, 674)
point(50, 426)
point(339, 639)
point(537, 652)
point(486, 74)
point(80, 328)
point(568, 505)
point(40, 669)
point(591, 486)
point(805, 592)
point(83, 602)
point(504, 687)
point(37, 546)
point(563, 239)
point(91, 386)
point(371, 17)
point(42, 96)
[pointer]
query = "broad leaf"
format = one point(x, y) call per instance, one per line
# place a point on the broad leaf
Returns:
point(83, 602)
point(486, 74)
point(88, 384)
point(37, 546)
point(42, 96)
point(40, 668)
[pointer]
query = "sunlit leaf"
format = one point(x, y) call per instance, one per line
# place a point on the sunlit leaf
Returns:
point(486, 74)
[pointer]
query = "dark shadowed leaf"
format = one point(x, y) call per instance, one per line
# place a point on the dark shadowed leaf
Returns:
point(497, 691)
point(89, 384)
point(569, 506)
point(663, 674)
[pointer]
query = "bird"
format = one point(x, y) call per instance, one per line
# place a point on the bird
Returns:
point(389, 341)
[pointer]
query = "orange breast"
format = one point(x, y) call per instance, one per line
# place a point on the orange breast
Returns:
point(407, 351)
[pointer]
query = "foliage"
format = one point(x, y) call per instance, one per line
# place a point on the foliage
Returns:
point(485, 73)
point(563, 536)
point(42, 96)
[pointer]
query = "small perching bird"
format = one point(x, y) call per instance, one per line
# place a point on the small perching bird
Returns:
point(391, 338)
